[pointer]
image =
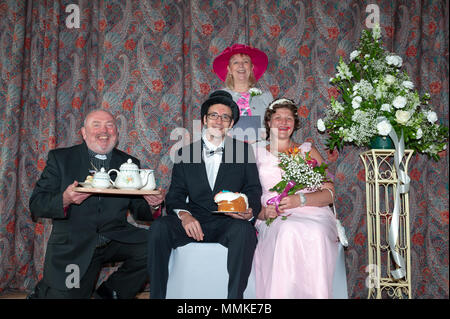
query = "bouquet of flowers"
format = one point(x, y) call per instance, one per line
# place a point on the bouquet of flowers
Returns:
point(378, 97)
point(299, 173)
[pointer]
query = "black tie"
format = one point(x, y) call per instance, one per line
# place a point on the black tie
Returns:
point(209, 153)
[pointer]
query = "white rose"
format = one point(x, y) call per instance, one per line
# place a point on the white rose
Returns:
point(385, 107)
point(394, 60)
point(402, 116)
point(356, 102)
point(320, 125)
point(419, 133)
point(431, 116)
point(384, 128)
point(354, 55)
point(389, 79)
point(390, 60)
point(399, 102)
point(408, 84)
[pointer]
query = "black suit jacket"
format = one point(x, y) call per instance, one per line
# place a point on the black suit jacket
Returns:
point(75, 232)
point(237, 173)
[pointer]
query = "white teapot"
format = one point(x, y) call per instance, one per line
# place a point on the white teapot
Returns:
point(128, 176)
point(101, 179)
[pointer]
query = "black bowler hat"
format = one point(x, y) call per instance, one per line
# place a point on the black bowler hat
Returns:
point(221, 97)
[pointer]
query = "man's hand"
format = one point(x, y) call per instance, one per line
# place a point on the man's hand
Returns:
point(72, 197)
point(191, 226)
point(155, 200)
point(242, 215)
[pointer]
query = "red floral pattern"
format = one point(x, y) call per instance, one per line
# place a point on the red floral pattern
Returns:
point(153, 72)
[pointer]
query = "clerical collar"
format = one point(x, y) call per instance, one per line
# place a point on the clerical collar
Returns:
point(102, 157)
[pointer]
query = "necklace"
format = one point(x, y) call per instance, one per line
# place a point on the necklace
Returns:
point(95, 169)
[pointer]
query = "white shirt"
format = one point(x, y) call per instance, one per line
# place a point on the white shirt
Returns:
point(212, 163)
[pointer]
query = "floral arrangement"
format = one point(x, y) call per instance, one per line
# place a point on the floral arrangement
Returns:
point(378, 97)
point(300, 172)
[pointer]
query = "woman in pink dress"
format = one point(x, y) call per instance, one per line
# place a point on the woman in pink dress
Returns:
point(296, 256)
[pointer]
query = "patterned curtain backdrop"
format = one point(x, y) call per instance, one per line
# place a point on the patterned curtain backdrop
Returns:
point(150, 64)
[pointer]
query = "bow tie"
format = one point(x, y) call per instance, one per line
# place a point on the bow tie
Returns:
point(209, 153)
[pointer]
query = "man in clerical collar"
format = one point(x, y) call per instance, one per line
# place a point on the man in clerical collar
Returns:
point(90, 229)
point(225, 164)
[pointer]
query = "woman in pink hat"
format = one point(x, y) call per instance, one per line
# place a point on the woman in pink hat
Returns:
point(240, 67)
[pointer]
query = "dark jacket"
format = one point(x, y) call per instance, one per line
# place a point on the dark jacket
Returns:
point(75, 232)
point(237, 173)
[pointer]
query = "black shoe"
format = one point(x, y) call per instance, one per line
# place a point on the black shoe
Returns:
point(104, 292)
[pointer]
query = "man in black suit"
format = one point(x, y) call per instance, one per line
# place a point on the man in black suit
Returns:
point(90, 230)
point(201, 170)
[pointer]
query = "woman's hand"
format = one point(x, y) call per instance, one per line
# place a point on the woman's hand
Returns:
point(291, 201)
point(268, 212)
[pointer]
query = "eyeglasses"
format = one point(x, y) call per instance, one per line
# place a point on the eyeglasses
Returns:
point(215, 116)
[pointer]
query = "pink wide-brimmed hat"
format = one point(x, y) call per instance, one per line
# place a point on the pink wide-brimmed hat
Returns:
point(259, 60)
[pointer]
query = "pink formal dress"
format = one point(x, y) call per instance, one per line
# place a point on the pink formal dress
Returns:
point(295, 257)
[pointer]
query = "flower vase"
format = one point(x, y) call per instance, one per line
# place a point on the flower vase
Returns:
point(381, 142)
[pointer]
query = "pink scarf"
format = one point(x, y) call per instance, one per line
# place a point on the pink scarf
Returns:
point(243, 103)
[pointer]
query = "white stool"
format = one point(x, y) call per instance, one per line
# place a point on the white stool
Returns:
point(199, 271)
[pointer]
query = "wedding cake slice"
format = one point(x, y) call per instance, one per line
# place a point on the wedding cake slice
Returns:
point(231, 202)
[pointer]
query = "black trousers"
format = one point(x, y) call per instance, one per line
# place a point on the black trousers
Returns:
point(127, 280)
point(167, 233)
